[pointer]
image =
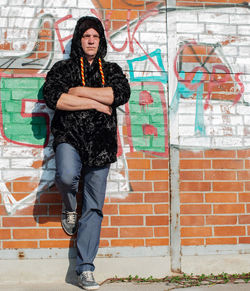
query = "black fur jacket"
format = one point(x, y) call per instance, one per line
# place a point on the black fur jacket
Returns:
point(92, 133)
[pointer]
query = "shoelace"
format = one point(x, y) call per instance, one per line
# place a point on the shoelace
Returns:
point(71, 217)
point(88, 276)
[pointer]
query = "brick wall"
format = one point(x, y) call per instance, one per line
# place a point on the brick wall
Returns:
point(189, 73)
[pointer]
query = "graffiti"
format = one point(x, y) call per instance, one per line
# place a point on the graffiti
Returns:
point(22, 104)
point(147, 126)
point(208, 78)
point(38, 57)
point(203, 105)
point(138, 64)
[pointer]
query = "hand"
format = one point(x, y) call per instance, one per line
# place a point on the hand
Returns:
point(104, 108)
point(73, 91)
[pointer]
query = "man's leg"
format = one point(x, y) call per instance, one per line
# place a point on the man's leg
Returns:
point(68, 172)
point(89, 225)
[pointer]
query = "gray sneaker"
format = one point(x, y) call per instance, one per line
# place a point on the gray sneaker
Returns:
point(87, 282)
point(69, 222)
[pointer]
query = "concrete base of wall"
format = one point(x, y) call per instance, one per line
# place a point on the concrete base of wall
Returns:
point(61, 270)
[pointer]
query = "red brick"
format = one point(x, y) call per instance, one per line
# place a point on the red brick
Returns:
point(228, 186)
point(247, 186)
point(156, 197)
point(105, 221)
point(191, 175)
point(20, 244)
point(227, 164)
point(57, 233)
point(196, 231)
point(127, 242)
point(220, 175)
point(109, 232)
point(104, 243)
point(18, 221)
point(191, 197)
point(220, 197)
point(2, 210)
point(157, 220)
point(141, 186)
point(131, 198)
point(220, 153)
point(229, 230)
point(221, 241)
point(195, 186)
point(138, 163)
point(244, 175)
point(191, 154)
point(156, 175)
point(161, 208)
point(196, 209)
point(157, 242)
point(55, 209)
point(160, 164)
point(136, 209)
point(192, 241)
point(192, 220)
point(135, 155)
point(33, 210)
point(244, 197)
point(220, 219)
point(161, 186)
point(5, 234)
point(50, 198)
point(109, 209)
point(27, 233)
point(195, 164)
point(135, 175)
point(56, 243)
point(244, 240)
point(127, 220)
point(228, 208)
point(244, 219)
point(52, 221)
point(136, 232)
point(247, 164)
point(161, 231)
point(119, 14)
point(248, 208)
point(243, 153)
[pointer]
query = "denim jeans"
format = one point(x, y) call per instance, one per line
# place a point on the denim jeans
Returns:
point(68, 173)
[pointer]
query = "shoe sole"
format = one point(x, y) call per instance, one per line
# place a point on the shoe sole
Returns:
point(89, 287)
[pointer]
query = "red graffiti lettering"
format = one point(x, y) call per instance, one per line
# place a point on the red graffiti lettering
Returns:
point(149, 129)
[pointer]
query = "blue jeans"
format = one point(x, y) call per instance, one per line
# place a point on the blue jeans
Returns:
point(68, 173)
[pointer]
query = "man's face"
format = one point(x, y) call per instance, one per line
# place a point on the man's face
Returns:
point(90, 43)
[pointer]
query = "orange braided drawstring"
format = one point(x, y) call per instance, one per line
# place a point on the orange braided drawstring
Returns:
point(82, 72)
point(100, 68)
point(101, 71)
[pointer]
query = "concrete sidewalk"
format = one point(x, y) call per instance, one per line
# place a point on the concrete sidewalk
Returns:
point(124, 287)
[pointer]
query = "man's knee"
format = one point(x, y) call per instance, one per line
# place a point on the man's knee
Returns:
point(67, 179)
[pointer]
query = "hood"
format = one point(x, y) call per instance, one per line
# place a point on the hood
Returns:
point(83, 24)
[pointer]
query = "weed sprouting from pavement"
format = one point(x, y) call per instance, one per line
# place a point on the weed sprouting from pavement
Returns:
point(186, 280)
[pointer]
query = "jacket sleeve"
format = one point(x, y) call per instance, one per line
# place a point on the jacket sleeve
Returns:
point(119, 83)
point(55, 84)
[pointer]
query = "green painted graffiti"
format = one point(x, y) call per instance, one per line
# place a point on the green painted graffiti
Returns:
point(20, 122)
point(147, 118)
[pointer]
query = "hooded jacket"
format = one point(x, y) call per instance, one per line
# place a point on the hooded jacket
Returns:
point(92, 133)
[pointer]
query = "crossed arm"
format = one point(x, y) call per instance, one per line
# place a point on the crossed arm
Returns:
point(82, 98)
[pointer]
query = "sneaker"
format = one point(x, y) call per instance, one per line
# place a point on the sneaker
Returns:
point(69, 222)
point(87, 282)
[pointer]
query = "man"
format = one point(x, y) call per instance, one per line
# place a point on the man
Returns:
point(84, 91)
